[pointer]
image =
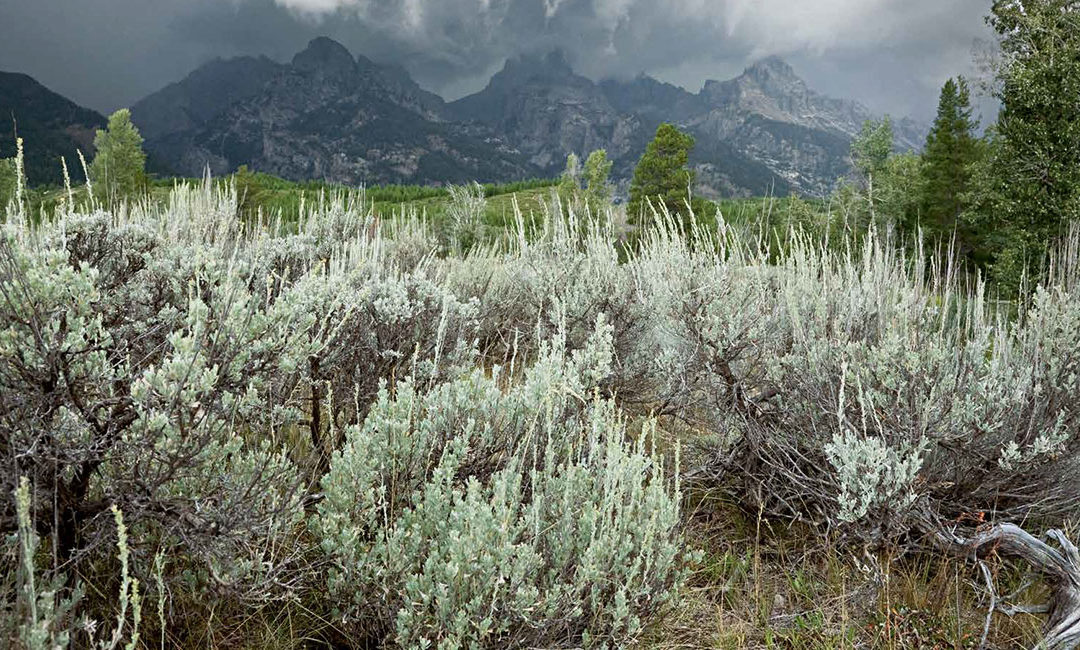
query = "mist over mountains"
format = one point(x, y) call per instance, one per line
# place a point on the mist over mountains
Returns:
point(332, 116)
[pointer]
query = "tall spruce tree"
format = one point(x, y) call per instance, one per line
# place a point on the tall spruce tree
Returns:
point(662, 175)
point(951, 149)
point(1028, 189)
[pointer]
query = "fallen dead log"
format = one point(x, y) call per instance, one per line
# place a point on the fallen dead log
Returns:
point(1059, 568)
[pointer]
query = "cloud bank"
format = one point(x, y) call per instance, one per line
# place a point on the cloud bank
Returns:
point(891, 54)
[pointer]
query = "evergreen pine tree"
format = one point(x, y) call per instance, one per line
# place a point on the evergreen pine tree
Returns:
point(662, 174)
point(951, 148)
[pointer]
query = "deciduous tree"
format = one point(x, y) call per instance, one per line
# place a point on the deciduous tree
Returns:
point(1029, 188)
point(570, 182)
point(119, 167)
point(597, 170)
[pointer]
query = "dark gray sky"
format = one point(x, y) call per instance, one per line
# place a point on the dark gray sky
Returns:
point(892, 55)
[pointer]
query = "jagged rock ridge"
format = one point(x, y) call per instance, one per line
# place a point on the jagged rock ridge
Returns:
point(325, 115)
point(332, 116)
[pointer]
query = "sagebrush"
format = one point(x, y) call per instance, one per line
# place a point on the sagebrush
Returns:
point(414, 440)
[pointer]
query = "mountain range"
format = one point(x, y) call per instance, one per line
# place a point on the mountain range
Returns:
point(329, 115)
point(764, 131)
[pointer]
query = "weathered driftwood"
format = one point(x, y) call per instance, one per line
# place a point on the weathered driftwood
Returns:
point(1060, 569)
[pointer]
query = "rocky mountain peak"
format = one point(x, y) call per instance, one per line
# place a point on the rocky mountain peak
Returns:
point(349, 119)
point(645, 95)
point(327, 56)
point(771, 77)
point(772, 68)
point(547, 110)
point(526, 68)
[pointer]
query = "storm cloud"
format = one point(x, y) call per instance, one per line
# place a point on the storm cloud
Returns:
point(891, 54)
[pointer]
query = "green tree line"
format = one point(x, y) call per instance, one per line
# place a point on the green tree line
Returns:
point(1003, 199)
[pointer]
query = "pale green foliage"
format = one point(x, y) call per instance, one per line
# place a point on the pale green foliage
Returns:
point(452, 450)
point(20, 176)
point(119, 167)
point(869, 473)
point(39, 618)
point(8, 180)
point(706, 328)
point(475, 517)
point(597, 188)
point(570, 182)
point(464, 217)
point(191, 354)
point(129, 590)
point(571, 265)
point(888, 187)
point(12, 184)
point(936, 384)
point(711, 316)
point(898, 191)
point(871, 148)
point(44, 617)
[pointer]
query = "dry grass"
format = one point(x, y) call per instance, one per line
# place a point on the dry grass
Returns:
point(769, 584)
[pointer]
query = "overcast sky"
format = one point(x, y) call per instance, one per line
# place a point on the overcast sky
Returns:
point(892, 55)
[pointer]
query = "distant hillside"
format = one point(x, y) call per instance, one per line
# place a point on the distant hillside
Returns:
point(330, 116)
point(50, 125)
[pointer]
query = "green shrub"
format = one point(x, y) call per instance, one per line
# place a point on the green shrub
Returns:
point(325, 422)
point(8, 180)
point(469, 516)
point(905, 397)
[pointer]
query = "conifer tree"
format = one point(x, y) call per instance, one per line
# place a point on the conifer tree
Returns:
point(662, 175)
point(951, 148)
point(119, 167)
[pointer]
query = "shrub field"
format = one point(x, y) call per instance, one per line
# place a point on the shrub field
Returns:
point(552, 430)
